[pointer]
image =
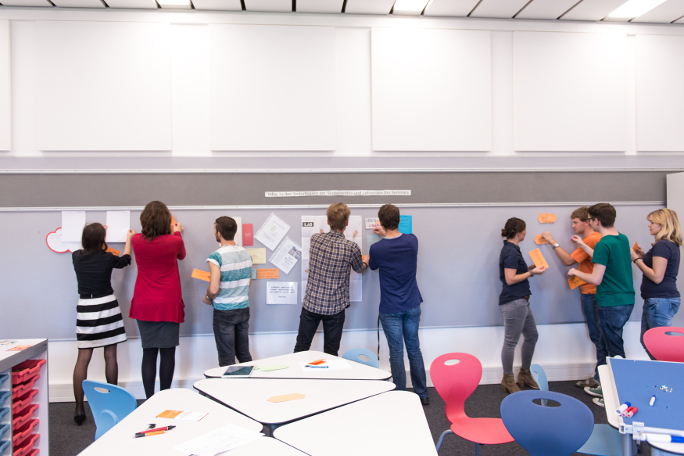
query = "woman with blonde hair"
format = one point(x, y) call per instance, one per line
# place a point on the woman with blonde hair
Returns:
point(660, 266)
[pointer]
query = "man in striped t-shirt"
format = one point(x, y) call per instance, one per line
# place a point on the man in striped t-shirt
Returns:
point(230, 269)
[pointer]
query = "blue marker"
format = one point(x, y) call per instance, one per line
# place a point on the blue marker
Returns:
point(663, 438)
point(317, 367)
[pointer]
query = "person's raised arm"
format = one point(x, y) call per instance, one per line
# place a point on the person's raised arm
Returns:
point(357, 263)
point(177, 230)
point(655, 274)
point(127, 247)
point(512, 276)
point(580, 243)
point(595, 278)
point(562, 254)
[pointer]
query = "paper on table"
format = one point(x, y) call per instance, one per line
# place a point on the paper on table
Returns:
point(406, 224)
point(272, 368)
point(281, 292)
point(538, 239)
point(575, 282)
point(18, 348)
point(272, 231)
point(258, 255)
point(181, 415)
point(332, 364)
point(547, 218)
point(268, 273)
point(118, 224)
point(201, 275)
point(222, 439)
point(538, 258)
point(286, 256)
point(286, 398)
point(72, 225)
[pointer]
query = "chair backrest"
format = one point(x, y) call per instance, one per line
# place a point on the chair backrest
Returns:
point(355, 355)
point(547, 431)
point(664, 346)
point(109, 404)
point(539, 376)
point(455, 376)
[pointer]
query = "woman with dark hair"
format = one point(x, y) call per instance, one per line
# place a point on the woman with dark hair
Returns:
point(98, 319)
point(157, 301)
point(515, 306)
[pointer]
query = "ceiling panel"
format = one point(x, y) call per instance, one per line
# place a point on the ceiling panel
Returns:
point(665, 13)
point(504, 9)
point(279, 6)
point(459, 8)
point(369, 6)
point(546, 9)
point(130, 3)
point(78, 3)
point(226, 5)
point(25, 3)
point(319, 6)
point(593, 10)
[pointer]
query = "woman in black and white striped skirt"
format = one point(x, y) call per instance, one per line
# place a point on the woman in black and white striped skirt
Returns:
point(98, 321)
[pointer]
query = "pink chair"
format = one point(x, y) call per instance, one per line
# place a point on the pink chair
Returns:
point(455, 382)
point(663, 346)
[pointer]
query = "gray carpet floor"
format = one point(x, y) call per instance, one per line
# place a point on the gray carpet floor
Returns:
point(68, 439)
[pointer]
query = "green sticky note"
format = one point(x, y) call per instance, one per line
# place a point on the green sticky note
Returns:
point(273, 368)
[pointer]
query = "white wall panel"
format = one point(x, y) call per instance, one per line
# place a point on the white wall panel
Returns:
point(450, 7)
point(546, 9)
point(660, 93)
point(319, 6)
point(431, 90)
point(570, 92)
point(226, 5)
point(103, 86)
point(369, 6)
point(272, 87)
point(5, 87)
point(664, 13)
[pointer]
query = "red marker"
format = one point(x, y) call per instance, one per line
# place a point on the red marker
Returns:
point(632, 411)
point(155, 431)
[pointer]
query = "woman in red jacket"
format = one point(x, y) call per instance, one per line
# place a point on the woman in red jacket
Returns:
point(157, 301)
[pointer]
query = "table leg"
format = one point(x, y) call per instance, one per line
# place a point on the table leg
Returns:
point(626, 444)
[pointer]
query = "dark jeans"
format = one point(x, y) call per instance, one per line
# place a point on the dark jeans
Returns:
point(612, 320)
point(231, 334)
point(400, 328)
point(590, 309)
point(657, 312)
point(332, 331)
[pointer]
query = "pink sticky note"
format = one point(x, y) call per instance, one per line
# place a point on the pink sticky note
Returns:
point(247, 234)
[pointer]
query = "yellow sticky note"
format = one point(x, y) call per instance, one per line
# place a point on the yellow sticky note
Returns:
point(538, 239)
point(575, 282)
point(538, 258)
point(286, 397)
point(202, 275)
point(268, 273)
point(547, 218)
point(113, 251)
point(258, 256)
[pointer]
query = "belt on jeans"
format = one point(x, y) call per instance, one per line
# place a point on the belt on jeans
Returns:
point(93, 296)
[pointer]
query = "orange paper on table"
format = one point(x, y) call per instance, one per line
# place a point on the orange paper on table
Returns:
point(169, 414)
point(547, 218)
point(286, 397)
point(575, 282)
point(18, 348)
point(268, 273)
point(202, 275)
point(538, 258)
point(538, 239)
point(113, 251)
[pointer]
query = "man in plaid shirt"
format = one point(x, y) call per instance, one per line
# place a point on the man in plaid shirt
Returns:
point(331, 258)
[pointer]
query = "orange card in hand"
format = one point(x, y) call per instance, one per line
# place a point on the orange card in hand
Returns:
point(202, 275)
point(575, 282)
point(636, 246)
point(538, 258)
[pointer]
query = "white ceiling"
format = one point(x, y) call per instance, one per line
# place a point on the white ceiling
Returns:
point(671, 11)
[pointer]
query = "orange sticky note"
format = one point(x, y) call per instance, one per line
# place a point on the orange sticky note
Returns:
point(575, 282)
point(547, 218)
point(538, 239)
point(171, 414)
point(173, 221)
point(268, 273)
point(636, 246)
point(202, 275)
point(18, 348)
point(538, 258)
point(113, 251)
point(286, 397)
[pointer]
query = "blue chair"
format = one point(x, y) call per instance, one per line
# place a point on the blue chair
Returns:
point(540, 377)
point(355, 355)
point(109, 404)
point(547, 431)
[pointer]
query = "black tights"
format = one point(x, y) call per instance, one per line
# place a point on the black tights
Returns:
point(81, 370)
point(167, 364)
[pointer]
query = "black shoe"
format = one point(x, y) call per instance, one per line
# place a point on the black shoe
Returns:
point(79, 417)
point(425, 400)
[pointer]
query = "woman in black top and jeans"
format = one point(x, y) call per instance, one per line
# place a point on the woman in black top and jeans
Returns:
point(98, 322)
point(515, 306)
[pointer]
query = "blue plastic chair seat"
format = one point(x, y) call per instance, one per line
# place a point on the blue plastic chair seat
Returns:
point(109, 406)
point(355, 355)
point(605, 441)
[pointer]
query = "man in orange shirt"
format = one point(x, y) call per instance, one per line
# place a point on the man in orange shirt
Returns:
point(580, 225)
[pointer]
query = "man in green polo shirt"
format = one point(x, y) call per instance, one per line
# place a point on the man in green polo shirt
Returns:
point(612, 276)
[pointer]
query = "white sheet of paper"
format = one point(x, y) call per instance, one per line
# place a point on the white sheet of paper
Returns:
point(222, 439)
point(281, 292)
point(72, 225)
point(272, 232)
point(286, 256)
point(118, 223)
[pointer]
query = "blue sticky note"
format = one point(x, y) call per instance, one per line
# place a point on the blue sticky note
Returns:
point(406, 224)
point(372, 239)
point(254, 274)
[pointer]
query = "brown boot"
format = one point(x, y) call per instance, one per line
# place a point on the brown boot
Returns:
point(508, 384)
point(525, 378)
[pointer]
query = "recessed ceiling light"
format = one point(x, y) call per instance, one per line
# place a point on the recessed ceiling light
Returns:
point(635, 8)
point(175, 4)
point(410, 6)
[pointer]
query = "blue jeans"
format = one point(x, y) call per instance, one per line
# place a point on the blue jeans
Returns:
point(400, 327)
point(657, 312)
point(590, 309)
point(612, 320)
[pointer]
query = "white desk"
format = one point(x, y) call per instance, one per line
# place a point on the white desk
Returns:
point(390, 423)
point(358, 371)
point(249, 396)
point(610, 398)
point(119, 440)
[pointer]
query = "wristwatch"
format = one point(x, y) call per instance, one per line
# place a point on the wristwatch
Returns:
point(556, 245)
